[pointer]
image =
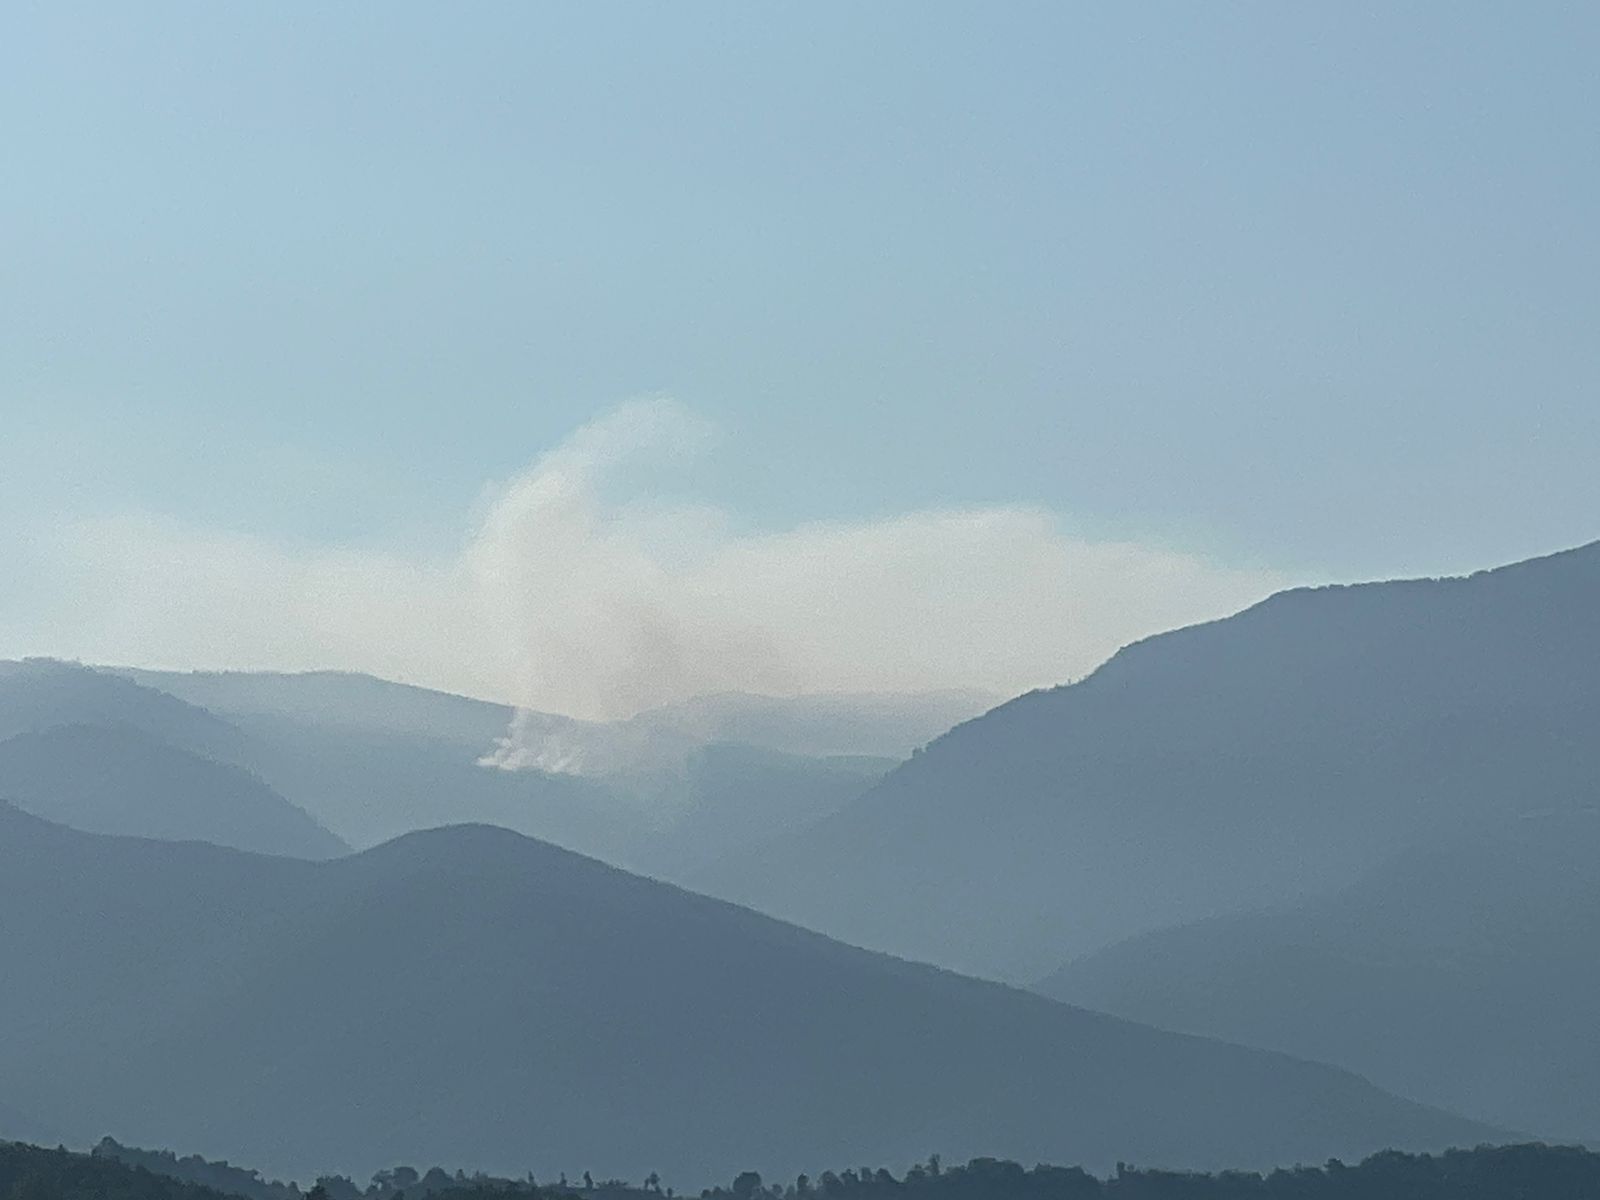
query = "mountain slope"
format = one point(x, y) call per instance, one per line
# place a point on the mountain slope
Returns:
point(730, 799)
point(1463, 974)
point(39, 693)
point(369, 785)
point(468, 995)
point(374, 759)
point(339, 700)
point(122, 780)
point(1248, 761)
point(870, 724)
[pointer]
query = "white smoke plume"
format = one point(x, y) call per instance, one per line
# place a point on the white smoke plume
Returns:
point(575, 594)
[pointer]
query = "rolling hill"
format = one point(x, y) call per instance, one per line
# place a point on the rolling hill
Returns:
point(120, 779)
point(468, 995)
point(1249, 761)
point(1463, 974)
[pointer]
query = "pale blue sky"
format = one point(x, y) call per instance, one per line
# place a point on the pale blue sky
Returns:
point(1304, 287)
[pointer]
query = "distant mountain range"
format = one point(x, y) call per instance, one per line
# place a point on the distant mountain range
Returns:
point(1255, 760)
point(1354, 824)
point(473, 996)
point(121, 779)
point(829, 725)
point(105, 754)
point(40, 694)
point(1464, 974)
point(336, 700)
point(370, 760)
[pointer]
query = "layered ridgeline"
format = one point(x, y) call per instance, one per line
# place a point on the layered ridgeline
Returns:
point(666, 791)
point(472, 996)
point(1252, 760)
point(108, 756)
point(38, 694)
point(1464, 974)
point(208, 756)
point(827, 725)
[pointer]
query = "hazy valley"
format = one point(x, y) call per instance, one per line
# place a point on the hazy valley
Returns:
point(1352, 825)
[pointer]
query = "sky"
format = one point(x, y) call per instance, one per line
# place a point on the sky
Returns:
point(591, 355)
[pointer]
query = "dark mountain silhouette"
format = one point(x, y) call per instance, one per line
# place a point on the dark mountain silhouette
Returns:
point(469, 995)
point(1464, 974)
point(120, 779)
point(32, 1173)
point(1248, 761)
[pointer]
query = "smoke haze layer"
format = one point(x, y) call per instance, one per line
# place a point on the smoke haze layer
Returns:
point(586, 588)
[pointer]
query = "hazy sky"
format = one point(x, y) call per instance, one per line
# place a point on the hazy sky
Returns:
point(324, 329)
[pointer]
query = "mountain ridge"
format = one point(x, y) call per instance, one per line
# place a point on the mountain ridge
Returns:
point(495, 1000)
point(120, 779)
point(1456, 973)
point(1243, 761)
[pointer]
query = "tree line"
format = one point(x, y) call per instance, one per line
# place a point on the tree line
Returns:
point(1532, 1171)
